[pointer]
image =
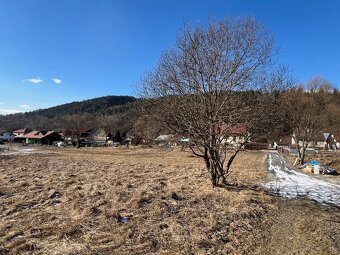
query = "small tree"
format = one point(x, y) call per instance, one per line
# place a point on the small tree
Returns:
point(77, 124)
point(304, 115)
point(214, 80)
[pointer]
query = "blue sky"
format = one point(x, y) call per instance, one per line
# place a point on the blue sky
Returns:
point(58, 51)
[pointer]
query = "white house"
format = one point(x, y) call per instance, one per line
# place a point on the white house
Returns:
point(7, 136)
point(235, 135)
point(322, 140)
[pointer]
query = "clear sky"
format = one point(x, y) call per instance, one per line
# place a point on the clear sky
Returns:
point(58, 51)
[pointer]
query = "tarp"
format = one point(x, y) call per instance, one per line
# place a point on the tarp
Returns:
point(313, 163)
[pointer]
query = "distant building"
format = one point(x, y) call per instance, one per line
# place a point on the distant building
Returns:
point(19, 134)
point(7, 136)
point(42, 137)
point(165, 140)
point(235, 135)
point(100, 137)
point(322, 141)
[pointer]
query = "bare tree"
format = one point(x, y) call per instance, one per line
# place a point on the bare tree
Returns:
point(304, 115)
point(77, 124)
point(146, 129)
point(318, 83)
point(216, 79)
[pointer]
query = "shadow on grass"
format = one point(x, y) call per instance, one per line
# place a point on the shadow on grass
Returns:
point(240, 187)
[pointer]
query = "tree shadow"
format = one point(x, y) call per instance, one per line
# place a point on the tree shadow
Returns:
point(240, 187)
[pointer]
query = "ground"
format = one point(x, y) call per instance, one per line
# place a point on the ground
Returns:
point(151, 201)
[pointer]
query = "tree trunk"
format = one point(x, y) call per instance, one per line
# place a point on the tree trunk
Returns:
point(215, 167)
point(302, 159)
point(301, 153)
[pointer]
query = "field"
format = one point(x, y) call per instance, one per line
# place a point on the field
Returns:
point(151, 201)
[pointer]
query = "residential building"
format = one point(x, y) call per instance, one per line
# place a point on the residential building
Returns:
point(7, 136)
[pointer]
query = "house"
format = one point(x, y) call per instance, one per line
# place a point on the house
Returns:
point(234, 135)
point(7, 136)
point(42, 137)
point(322, 141)
point(165, 140)
point(86, 138)
point(285, 141)
point(325, 141)
point(71, 136)
point(100, 136)
point(19, 134)
point(33, 137)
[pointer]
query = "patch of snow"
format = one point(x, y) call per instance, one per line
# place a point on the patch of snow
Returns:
point(290, 183)
point(18, 150)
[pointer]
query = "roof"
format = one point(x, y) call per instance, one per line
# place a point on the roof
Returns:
point(50, 132)
point(22, 130)
point(34, 134)
point(38, 134)
point(237, 129)
point(322, 136)
point(164, 138)
point(100, 132)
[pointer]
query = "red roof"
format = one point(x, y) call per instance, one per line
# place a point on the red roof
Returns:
point(38, 134)
point(34, 134)
point(237, 129)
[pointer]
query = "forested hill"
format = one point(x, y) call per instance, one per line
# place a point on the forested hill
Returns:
point(86, 106)
point(43, 118)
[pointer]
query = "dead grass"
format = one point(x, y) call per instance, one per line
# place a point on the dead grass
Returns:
point(301, 227)
point(151, 201)
point(75, 202)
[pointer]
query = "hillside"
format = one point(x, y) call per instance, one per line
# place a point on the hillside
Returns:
point(53, 117)
point(123, 113)
point(86, 106)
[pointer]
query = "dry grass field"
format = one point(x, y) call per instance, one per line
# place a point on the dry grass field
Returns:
point(148, 201)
